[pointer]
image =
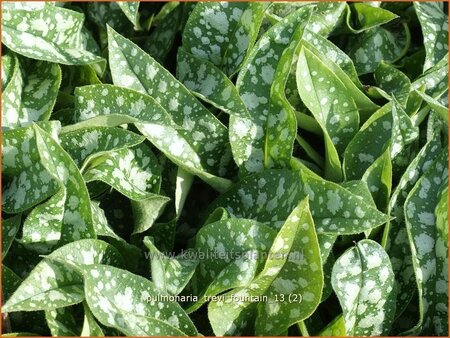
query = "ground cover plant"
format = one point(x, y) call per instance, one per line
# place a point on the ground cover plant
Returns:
point(242, 168)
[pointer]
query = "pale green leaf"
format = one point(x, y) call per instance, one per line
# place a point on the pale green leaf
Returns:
point(90, 326)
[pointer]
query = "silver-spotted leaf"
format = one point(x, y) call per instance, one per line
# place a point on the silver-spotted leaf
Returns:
point(129, 303)
point(232, 251)
point(55, 282)
point(52, 34)
point(393, 82)
point(30, 93)
point(255, 141)
point(134, 172)
point(286, 258)
point(170, 274)
point(223, 32)
point(131, 10)
point(21, 166)
point(143, 74)
point(209, 83)
point(428, 260)
point(77, 216)
point(364, 284)
point(378, 44)
point(10, 227)
point(434, 23)
point(395, 239)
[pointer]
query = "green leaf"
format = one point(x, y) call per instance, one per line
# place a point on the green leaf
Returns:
point(378, 178)
point(434, 23)
point(435, 79)
point(335, 210)
point(367, 16)
point(55, 282)
point(62, 322)
point(256, 140)
point(441, 213)
point(435, 105)
point(336, 328)
point(77, 217)
point(285, 259)
point(339, 62)
point(364, 284)
point(90, 326)
point(21, 165)
point(230, 252)
point(10, 282)
point(147, 211)
point(378, 44)
point(30, 93)
point(34, 35)
point(10, 227)
point(122, 300)
point(108, 13)
point(160, 41)
point(323, 94)
point(393, 82)
point(209, 83)
point(86, 145)
point(390, 127)
point(326, 17)
point(395, 238)
point(170, 274)
point(428, 257)
point(223, 33)
point(134, 172)
point(131, 10)
point(145, 75)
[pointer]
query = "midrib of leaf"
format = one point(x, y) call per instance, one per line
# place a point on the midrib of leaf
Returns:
point(121, 311)
point(48, 290)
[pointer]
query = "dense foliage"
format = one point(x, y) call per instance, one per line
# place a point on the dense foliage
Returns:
point(224, 168)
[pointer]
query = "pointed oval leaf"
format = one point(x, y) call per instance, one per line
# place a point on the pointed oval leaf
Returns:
point(364, 283)
point(123, 300)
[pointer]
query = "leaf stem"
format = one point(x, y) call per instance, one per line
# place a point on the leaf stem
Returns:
point(303, 328)
point(310, 151)
point(308, 123)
